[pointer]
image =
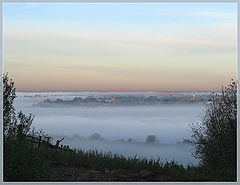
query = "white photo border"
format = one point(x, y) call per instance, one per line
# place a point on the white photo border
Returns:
point(237, 2)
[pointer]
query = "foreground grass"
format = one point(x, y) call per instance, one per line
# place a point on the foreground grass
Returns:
point(175, 172)
point(24, 162)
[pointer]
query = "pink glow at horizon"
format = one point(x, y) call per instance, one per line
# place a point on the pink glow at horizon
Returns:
point(126, 47)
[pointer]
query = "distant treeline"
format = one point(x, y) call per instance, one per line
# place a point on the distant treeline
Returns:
point(127, 100)
point(97, 136)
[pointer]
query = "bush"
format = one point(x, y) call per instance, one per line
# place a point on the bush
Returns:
point(216, 137)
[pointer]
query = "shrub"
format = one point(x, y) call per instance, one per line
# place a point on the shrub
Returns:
point(215, 137)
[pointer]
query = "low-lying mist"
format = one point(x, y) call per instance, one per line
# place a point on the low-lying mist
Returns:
point(168, 122)
point(180, 153)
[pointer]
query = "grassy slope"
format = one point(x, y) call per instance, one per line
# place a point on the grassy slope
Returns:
point(95, 166)
point(24, 162)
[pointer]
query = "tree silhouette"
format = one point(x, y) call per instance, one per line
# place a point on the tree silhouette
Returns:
point(21, 159)
point(151, 139)
point(13, 122)
point(215, 138)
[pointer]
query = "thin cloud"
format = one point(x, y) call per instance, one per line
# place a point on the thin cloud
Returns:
point(214, 14)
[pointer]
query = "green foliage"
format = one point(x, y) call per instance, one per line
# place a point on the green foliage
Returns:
point(9, 120)
point(22, 160)
point(13, 123)
point(215, 138)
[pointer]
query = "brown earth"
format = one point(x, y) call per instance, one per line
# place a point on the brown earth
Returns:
point(81, 174)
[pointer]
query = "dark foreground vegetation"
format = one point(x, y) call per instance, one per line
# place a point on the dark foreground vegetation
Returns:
point(46, 164)
point(30, 156)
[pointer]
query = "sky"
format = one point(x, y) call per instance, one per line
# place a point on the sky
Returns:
point(120, 47)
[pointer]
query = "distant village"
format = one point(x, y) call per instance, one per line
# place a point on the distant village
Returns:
point(127, 100)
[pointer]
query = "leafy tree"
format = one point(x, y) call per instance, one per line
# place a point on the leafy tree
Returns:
point(151, 139)
point(22, 160)
point(215, 138)
point(9, 118)
point(96, 136)
point(13, 123)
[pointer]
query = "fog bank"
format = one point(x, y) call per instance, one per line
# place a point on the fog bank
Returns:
point(181, 153)
point(168, 122)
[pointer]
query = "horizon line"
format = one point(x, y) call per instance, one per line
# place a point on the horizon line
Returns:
point(123, 91)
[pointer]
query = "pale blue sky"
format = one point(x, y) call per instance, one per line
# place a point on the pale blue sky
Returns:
point(123, 14)
point(120, 46)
